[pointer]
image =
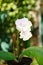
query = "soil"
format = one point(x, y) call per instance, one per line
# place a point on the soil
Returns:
point(23, 61)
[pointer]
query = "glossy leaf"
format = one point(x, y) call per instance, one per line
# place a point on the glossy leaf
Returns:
point(36, 52)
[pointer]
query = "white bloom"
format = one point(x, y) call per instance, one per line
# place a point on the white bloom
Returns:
point(4, 46)
point(23, 24)
point(25, 35)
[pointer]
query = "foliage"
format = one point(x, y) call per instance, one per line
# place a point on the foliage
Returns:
point(32, 52)
point(36, 52)
point(6, 55)
point(10, 11)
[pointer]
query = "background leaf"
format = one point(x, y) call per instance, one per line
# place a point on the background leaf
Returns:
point(6, 55)
point(36, 52)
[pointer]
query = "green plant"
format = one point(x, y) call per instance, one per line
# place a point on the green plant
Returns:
point(36, 52)
point(10, 11)
point(31, 52)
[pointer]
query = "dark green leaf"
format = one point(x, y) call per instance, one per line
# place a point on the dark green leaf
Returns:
point(6, 55)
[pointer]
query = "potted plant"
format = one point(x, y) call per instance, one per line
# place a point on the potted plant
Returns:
point(26, 55)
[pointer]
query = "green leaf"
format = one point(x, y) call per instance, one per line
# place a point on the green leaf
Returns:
point(36, 52)
point(6, 55)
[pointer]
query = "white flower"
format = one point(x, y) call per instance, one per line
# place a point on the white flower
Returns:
point(25, 35)
point(24, 27)
point(23, 24)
